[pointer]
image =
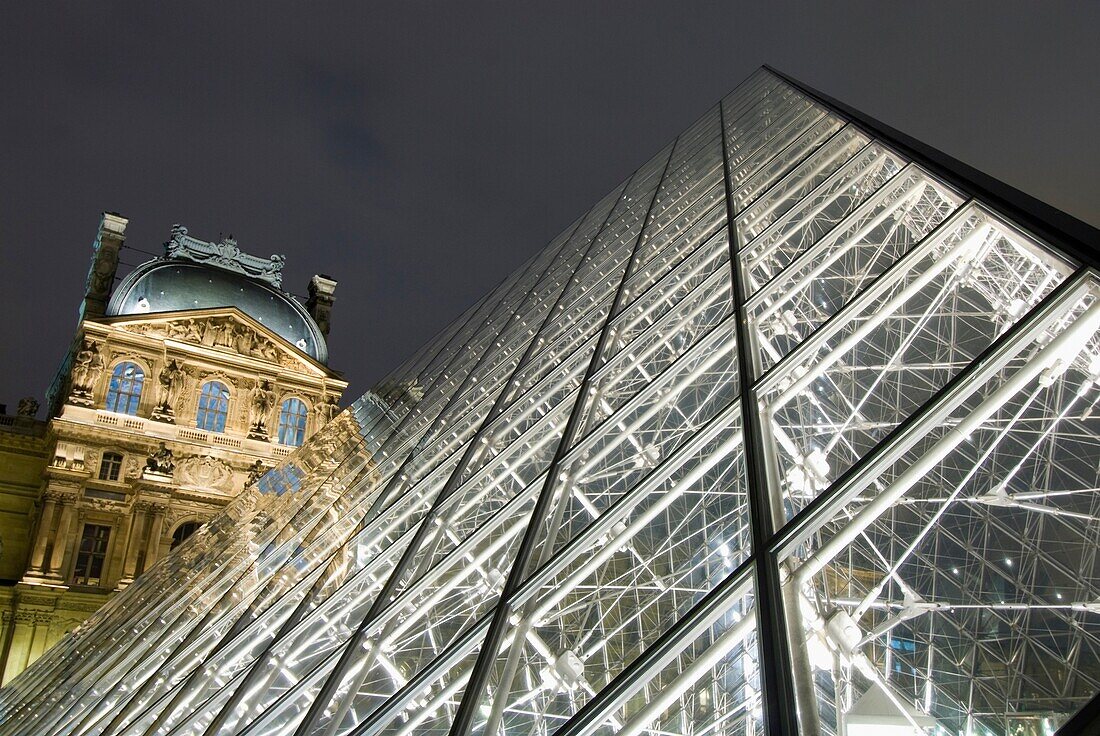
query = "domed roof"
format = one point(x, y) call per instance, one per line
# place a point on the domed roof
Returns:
point(173, 285)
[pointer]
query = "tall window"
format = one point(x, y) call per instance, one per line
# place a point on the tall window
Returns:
point(124, 391)
point(213, 407)
point(292, 422)
point(183, 531)
point(110, 466)
point(92, 553)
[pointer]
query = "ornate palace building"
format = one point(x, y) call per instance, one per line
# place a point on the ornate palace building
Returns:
point(182, 385)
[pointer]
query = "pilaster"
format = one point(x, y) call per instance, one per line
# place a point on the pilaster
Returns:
point(28, 623)
point(61, 537)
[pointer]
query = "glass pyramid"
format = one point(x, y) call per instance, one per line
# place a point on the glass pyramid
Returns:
point(793, 431)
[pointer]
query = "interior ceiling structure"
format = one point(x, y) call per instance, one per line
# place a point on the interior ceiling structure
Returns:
point(790, 432)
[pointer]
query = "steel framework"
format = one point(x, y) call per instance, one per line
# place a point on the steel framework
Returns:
point(793, 431)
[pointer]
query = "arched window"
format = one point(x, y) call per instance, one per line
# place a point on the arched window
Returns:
point(124, 391)
point(183, 531)
point(110, 467)
point(292, 422)
point(213, 407)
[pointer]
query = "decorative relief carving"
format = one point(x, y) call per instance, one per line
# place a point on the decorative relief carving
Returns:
point(129, 355)
point(225, 254)
point(60, 497)
point(204, 471)
point(30, 599)
point(101, 504)
point(28, 407)
point(146, 507)
point(226, 333)
point(221, 376)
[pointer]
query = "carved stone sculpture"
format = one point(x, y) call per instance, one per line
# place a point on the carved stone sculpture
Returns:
point(225, 254)
point(87, 368)
point(262, 402)
point(204, 472)
point(160, 461)
point(255, 472)
point(221, 332)
point(169, 386)
point(28, 406)
point(326, 409)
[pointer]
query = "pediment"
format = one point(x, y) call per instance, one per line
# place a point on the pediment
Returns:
point(224, 329)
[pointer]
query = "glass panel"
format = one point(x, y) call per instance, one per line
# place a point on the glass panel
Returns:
point(824, 278)
point(708, 683)
point(894, 345)
point(956, 589)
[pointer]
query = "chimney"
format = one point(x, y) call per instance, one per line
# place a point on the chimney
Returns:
point(101, 274)
point(319, 304)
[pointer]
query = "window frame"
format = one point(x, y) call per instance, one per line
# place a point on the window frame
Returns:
point(189, 527)
point(110, 466)
point(296, 433)
point(124, 392)
point(211, 405)
point(100, 537)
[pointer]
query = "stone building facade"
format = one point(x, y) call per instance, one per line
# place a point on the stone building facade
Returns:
point(182, 385)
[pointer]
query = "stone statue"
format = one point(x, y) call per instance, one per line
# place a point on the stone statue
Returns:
point(244, 340)
point(224, 337)
point(326, 409)
point(194, 331)
point(168, 391)
point(28, 407)
point(87, 367)
point(160, 461)
point(262, 402)
point(255, 472)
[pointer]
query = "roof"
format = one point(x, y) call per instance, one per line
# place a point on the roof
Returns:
point(197, 275)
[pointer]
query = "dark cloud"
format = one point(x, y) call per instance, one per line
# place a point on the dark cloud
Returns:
point(418, 152)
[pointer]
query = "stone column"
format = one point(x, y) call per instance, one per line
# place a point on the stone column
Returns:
point(61, 539)
point(45, 521)
point(20, 649)
point(136, 527)
point(153, 548)
point(6, 624)
point(39, 638)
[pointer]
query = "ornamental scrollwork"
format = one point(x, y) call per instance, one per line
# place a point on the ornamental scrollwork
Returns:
point(225, 254)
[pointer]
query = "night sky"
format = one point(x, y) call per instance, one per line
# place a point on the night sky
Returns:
point(418, 152)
